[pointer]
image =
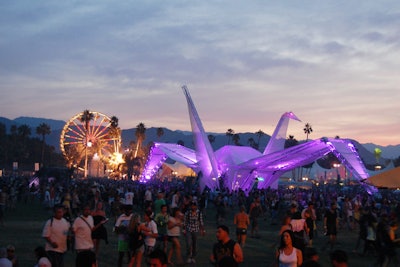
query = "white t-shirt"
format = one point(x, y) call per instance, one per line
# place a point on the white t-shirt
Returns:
point(176, 230)
point(129, 198)
point(151, 241)
point(4, 262)
point(175, 200)
point(83, 232)
point(148, 195)
point(123, 220)
point(57, 230)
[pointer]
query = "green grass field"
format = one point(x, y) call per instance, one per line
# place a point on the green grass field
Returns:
point(23, 228)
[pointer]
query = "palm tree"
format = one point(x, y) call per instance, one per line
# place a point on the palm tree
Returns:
point(252, 143)
point(3, 143)
point(259, 134)
point(140, 134)
point(236, 139)
point(115, 132)
point(291, 141)
point(43, 129)
point(211, 138)
point(85, 118)
point(24, 132)
point(230, 133)
point(160, 132)
point(307, 129)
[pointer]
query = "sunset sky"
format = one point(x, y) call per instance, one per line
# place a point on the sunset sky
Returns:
point(335, 64)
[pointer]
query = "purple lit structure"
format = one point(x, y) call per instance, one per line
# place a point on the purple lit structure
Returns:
point(244, 167)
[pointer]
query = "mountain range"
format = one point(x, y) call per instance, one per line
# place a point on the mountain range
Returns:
point(366, 151)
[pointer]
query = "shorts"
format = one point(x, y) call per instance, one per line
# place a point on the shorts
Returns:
point(241, 231)
point(123, 246)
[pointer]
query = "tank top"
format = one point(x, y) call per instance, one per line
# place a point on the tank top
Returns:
point(288, 260)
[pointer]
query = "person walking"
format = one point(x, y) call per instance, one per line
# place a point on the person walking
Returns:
point(100, 233)
point(225, 247)
point(83, 227)
point(121, 228)
point(136, 240)
point(255, 212)
point(242, 222)
point(192, 224)
point(55, 232)
point(161, 220)
point(330, 224)
point(149, 232)
point(174, 231)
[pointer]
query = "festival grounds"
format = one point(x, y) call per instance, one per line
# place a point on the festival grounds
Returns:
point(23, 228)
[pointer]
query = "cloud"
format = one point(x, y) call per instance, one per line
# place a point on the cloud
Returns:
point(245, 63)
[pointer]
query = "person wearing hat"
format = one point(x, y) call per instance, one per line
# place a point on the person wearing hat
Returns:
point(193, 223)
point(225, 247)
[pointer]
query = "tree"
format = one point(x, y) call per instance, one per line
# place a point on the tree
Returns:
point(24, 132)
point(160, 132)
point(181, 142)
point(259, 134)
point(115, 132)
point(252, 143)
point(307, 130)
point(85, 118)
point(3, 144)
point(140, 134)
point(290, 142)
point(236, 139)
point(43, 129)
point(229, 134)
point(211, 138)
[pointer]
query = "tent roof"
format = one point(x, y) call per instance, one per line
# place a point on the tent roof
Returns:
point(388, 179)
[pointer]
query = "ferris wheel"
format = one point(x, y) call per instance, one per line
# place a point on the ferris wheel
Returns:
point(95, 139)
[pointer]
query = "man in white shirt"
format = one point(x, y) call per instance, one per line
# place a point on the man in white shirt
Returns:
point(129, 195)
point(121, 228)
point(55, 232)
point(82, 228)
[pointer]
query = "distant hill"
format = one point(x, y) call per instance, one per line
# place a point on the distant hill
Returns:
point(366, 151)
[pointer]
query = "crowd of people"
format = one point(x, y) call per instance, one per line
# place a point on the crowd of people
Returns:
point(156, 217)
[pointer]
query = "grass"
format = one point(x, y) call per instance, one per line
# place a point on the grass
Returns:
point(23, 229)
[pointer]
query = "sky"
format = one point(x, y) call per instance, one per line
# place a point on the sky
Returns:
point(335, 64)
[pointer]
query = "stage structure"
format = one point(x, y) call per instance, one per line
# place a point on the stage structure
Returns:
point(244, 167)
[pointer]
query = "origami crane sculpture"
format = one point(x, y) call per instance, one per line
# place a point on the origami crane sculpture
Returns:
point(245, 167)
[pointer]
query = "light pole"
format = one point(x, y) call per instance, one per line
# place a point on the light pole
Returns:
point(87, 144)
point(337, 166)
point(96, 158)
